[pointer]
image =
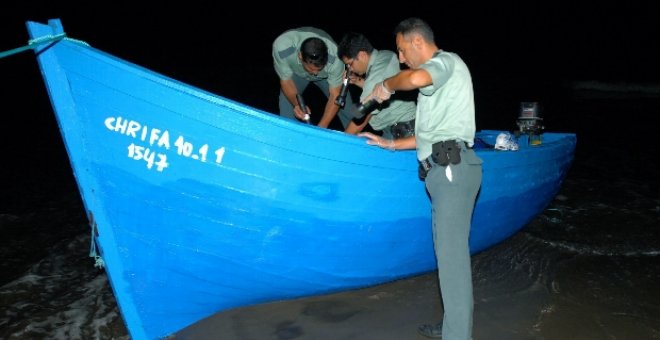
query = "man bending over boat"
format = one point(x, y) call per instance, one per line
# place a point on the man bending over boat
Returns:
point(368, 67)
point(444, 135)
point(308, 55)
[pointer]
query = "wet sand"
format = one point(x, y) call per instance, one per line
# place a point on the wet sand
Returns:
point(390, 311)
point(518, 310)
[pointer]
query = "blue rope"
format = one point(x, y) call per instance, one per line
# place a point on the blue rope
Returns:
point(39, 41)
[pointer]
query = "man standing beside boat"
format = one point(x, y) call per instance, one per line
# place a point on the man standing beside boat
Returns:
point(308, 55)
point(369, 67)
point(444, 135)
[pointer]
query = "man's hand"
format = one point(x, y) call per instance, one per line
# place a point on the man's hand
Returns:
point(356, 80)
point(299, 113)
point(380, 93)
point(378, 140)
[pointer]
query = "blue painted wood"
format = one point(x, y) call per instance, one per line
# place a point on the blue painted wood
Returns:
point(203, 204)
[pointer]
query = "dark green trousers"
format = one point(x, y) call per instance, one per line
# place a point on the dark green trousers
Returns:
point(453, 203)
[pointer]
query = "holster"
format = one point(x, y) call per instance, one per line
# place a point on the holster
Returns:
point(446, 152)
point(403, 129)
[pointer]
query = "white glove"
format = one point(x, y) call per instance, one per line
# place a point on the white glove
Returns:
point(381, 93)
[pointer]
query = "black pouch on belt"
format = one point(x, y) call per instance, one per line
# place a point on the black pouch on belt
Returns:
point(446, 152)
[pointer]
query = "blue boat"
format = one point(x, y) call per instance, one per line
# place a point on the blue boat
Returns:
point(200, 204)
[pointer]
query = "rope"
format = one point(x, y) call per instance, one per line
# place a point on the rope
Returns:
point(98, 260)
point(40, 41)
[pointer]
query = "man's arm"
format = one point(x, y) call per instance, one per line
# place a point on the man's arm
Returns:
point(405, 143)
point(289, 89)
point(403, 81)
point(408, 80)
point(354, 128)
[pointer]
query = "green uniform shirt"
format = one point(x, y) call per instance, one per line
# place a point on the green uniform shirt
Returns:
point(286, 49)
point(445, 109)
point(382, 65)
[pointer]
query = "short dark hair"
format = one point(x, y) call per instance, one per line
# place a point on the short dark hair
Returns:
point(415, 25)
point(352, 43)
point(314, 51)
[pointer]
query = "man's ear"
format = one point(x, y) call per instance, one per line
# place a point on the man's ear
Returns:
point(417, 40)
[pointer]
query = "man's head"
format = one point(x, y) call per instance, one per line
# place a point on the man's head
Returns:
point(415, 42)
point(354, 50)
point(314, 55)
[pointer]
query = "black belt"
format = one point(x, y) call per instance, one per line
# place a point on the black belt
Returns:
point(426, 164)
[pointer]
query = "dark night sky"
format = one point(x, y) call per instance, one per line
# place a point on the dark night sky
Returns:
point(608, 40)
point(516, 50)
point(577, 36)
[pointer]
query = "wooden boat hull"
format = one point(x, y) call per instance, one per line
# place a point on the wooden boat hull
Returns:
point(202, 204)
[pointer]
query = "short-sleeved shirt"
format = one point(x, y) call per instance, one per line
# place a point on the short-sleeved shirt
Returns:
point(286, 48)
point(445, 109)
point(382, 65)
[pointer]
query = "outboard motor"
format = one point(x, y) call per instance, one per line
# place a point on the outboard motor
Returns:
point(530, 122)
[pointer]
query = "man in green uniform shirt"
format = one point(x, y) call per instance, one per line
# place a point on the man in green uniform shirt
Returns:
point(444, 136)
point(369, 67)
point(309, 55)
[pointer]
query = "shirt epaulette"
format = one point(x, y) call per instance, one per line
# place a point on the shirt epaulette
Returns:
point(286, 52)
